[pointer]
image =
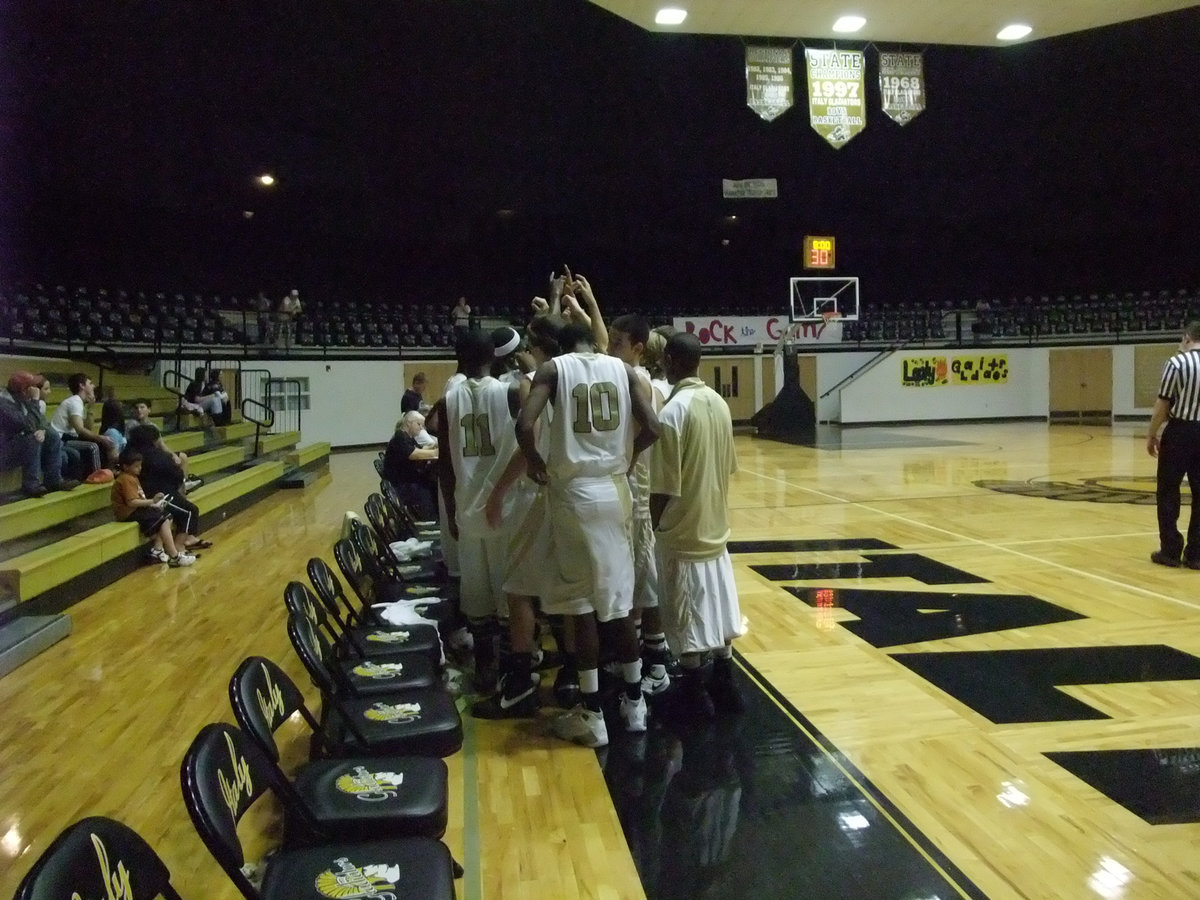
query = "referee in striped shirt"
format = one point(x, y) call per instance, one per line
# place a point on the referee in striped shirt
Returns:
point(1178, 451)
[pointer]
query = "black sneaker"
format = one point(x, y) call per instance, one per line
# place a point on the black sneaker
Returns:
point(726, 697)
point(522, 705)
point(1162, 559)
point(566, 688)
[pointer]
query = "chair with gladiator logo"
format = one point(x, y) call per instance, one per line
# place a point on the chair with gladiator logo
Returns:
point(359, 633)
point(372, 586)
point(94, 857)
point(355, 677)
point(418, 721)
point(224, 773)
point(354, 797)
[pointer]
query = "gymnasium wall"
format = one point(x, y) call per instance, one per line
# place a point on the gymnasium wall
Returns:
point(355, 402)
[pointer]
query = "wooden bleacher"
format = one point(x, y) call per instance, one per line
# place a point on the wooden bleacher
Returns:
point(57, 549)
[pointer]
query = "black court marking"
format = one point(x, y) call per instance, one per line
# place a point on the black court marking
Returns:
point(826, 437)
point(763, 805)
point(892, 618)
point(895, 565)
point(1020, 686)
point(1161, 786)
point(1105, 489)
point(809, 546)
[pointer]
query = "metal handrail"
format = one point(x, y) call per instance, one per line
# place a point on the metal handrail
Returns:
point(267, 422)
point(286, 381)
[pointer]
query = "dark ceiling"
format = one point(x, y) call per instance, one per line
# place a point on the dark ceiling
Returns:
point(423, 149)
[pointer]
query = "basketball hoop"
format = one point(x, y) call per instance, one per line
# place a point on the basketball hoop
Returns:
point(830, 315)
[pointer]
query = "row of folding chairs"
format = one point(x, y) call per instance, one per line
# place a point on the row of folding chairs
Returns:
point(368, 810)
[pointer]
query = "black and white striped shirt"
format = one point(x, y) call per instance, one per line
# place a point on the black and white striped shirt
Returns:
point(1181, 385)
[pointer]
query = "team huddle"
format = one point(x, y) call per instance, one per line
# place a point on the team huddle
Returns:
point(577, 482)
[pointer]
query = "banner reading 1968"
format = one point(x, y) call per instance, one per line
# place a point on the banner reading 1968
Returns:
point(902, 85)
point(836, 106)
point(769, 80)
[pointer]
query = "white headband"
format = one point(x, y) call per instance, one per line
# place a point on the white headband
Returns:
point(510, 345)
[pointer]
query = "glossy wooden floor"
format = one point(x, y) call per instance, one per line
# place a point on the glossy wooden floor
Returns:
point(99, 724)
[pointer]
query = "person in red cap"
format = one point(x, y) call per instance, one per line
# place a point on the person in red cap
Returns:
point(27, 442)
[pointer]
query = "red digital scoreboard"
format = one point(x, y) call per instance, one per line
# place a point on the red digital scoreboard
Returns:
point(819, 252)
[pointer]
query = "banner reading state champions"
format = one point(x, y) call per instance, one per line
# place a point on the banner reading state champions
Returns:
point(902, 85)
point(836, 106)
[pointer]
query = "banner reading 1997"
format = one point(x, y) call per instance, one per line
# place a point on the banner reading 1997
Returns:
point(902, 85)
point(836, 106)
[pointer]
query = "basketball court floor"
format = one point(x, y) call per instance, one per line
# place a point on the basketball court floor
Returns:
point(964, 679)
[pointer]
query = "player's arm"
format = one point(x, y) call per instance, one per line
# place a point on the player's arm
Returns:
point(658, 504)
point(445, 465)
point(643, 412)
point(588, 300)
point(545, 384)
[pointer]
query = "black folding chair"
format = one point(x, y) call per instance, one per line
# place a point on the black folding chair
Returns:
point(359, 797)
point(351, 643)
point(419, 721)
point(365, 677)
point(224, 773)
point(383, 566)
point(94, 857)
point(372, 586)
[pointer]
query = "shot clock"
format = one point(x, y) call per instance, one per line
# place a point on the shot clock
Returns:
point(818, 252)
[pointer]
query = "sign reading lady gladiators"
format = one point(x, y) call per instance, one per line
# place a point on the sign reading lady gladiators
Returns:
point(902, 85)
point(769, 80)
point(836, 107)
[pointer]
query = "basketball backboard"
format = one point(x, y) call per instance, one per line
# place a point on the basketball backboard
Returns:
point(818, 298)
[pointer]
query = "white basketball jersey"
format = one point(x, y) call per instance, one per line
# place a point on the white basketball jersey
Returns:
point(591, 434)
point(482, 441)
point(639, 479)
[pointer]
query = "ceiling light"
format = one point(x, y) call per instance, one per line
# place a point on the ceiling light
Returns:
point(1013, 32)
point(266, 180)
point(849, 23)
point(670, 15)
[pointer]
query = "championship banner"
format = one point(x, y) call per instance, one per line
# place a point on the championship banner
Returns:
point(769, 80)
point(902, 85)
point(836, 107)
point(750, 331)
point(749, 188)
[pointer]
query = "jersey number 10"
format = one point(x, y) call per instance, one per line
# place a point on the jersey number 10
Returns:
point(596, 407)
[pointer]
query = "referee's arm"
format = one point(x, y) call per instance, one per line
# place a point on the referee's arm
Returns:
point(1162, 410)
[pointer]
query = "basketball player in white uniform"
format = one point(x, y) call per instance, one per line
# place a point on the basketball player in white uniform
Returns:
point(518, 506)
point(597, 399)
point(627, 337)
point(475, 442)
point(689, 480)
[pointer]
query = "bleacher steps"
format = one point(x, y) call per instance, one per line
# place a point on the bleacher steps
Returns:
point(77, 566)
point(24, 638)
point(273, 443)
point(25, 517)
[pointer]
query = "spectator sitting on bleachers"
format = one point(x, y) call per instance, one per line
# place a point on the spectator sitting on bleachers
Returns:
point(86, 449)
point(28, 441)
point(141, 416)
point(130, 504)
point(112, 423)
point(161, 474)
point(207, 394)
